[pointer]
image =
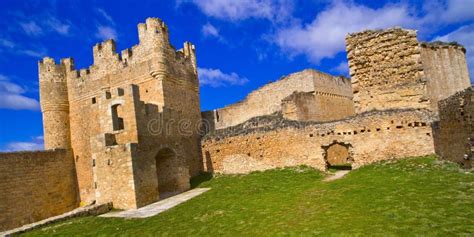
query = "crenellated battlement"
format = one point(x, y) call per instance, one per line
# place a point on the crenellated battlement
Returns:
point(105, 52)
point(50, 71)
point(152, 29)
point(153, 43)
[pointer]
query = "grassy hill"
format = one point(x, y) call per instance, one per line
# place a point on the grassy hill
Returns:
point(415, 196)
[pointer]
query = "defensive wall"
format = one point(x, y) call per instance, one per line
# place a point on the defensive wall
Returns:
point(456, 138)
point(36, 185)
point(320, 96)
point(272, 141)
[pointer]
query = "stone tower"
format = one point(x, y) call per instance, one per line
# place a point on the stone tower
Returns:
point(390, 69)
point(133, 118)
point(54, 104)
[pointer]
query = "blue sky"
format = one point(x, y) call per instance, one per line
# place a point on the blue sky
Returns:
point(241, 44)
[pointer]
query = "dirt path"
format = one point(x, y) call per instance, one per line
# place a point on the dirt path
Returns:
point(339, 174)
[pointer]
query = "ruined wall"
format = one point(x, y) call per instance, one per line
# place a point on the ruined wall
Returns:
point(166, 88)
point(36, 185)
point(445, 67)
point(391, 69)
point(386, 70)
point(268, 99)
point(456, 126)
point(271, 142)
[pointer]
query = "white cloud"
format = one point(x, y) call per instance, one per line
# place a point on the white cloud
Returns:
point(105, 15)
point(465, 36)
point(36, 143)
point(245, 9)
point(216, 78)
point(342, 68)
point(448, 11)
point(54, 24)
point(38, 53)
point(106, 32)
point(12, 97)
point(31, 28)
point(324, 36)
point(209, 30)
point(6, 43)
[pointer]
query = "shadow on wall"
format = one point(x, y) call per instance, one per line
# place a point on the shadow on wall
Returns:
point(209, 166)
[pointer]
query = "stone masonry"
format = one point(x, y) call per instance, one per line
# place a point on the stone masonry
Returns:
point(390, 69)
point(36, 185)
point(131, 96)
point(129, 130)
point(456, 138)
point(305, 95)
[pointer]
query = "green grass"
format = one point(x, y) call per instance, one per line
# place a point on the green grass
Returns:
point(416, 196)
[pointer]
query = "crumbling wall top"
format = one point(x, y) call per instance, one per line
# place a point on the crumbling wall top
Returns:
point(443, 45)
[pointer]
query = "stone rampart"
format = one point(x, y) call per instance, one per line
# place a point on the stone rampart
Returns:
point(272, 141)
point(36, 185)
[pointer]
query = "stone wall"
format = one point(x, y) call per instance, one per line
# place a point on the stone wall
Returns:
point(456, 126)
point(268, 99)
point(445, 68)
point(271, 141)
point(36, 185)
point(317, 106)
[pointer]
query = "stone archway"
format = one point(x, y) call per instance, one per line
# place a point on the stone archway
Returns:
point(168, 173)
point(338, 154)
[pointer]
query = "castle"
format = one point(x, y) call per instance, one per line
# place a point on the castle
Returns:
point(129, 130)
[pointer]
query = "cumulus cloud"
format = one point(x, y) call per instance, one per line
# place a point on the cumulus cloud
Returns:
point(105, 32)
point(36, 143)
point(465, 36)
point(324, 36)
point(12, 96)
point(217, 78)
point(245, 9)
point(448, 11)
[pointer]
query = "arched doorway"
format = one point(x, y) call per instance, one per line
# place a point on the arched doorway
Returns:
point(338, 156)
point(167, 171)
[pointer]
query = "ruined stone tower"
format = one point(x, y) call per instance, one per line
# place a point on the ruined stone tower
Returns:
point(390, 69)
point(132, 117)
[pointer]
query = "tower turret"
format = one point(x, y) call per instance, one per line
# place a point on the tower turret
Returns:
point(54, 103)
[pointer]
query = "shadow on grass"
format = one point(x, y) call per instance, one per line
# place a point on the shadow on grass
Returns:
point(201, 178)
